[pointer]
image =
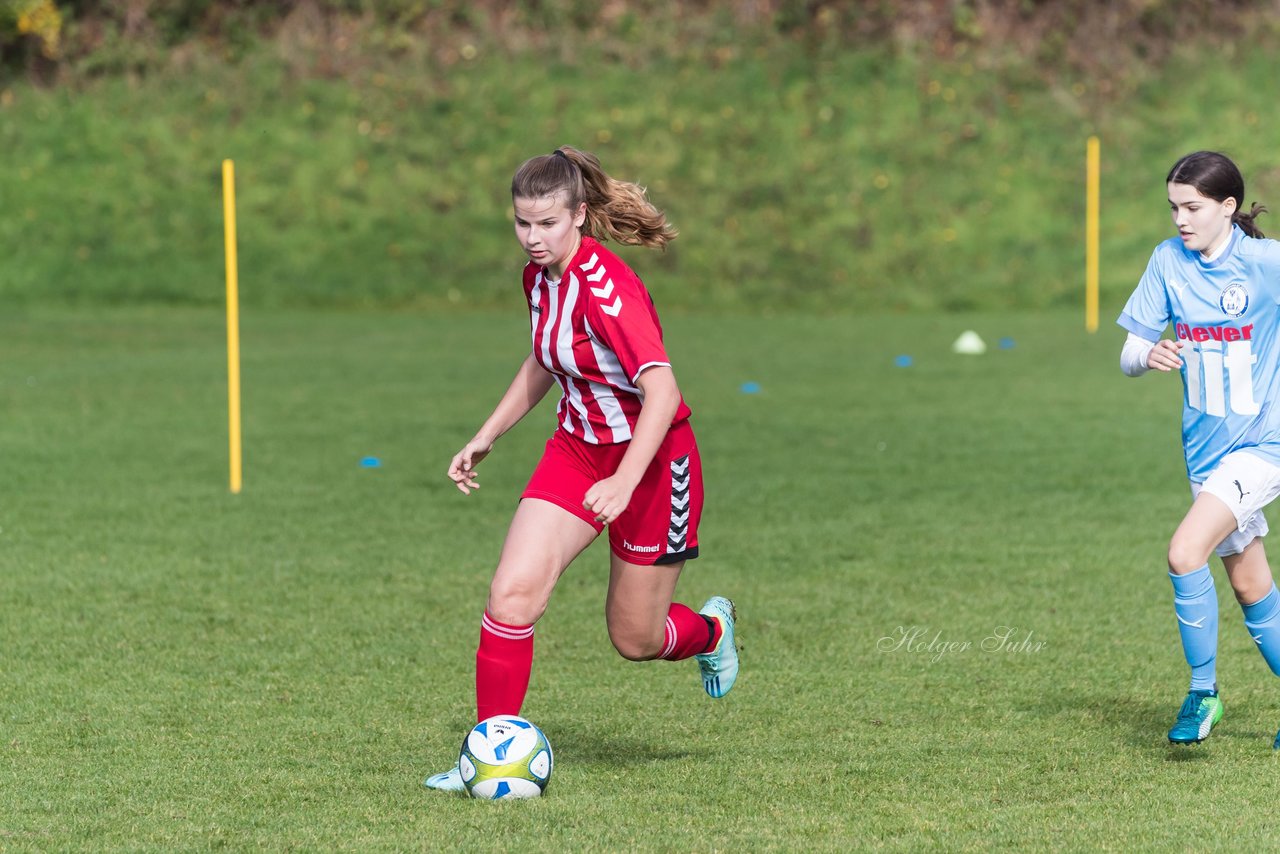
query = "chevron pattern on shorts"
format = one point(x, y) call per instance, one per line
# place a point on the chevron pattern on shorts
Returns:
point(679, 530)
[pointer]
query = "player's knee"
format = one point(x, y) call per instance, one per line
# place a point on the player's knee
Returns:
point(1249, 592)
point(516, 604)
point(634, 647)
point(1250, 587)
point(1185, 557)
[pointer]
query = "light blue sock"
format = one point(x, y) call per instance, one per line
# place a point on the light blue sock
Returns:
point(1262, 619)
point(1195, 602)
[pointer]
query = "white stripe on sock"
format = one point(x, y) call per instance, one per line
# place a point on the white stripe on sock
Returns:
point(510, 633)
point(668, 639)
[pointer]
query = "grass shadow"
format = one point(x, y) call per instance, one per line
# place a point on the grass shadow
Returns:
point(1137, 721)
point(585, 745)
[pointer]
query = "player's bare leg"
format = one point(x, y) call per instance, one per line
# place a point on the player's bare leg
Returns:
point(644, 623)
point(542, 541)
point(637, 605)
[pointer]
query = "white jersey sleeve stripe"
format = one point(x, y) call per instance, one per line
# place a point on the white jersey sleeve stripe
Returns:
point(646, 366)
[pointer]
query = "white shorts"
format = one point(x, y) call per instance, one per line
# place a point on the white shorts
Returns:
point(1246, 484)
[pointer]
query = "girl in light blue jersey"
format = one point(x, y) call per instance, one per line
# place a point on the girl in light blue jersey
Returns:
point(1218, 283)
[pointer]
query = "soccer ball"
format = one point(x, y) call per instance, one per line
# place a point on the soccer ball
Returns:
point(505, 756)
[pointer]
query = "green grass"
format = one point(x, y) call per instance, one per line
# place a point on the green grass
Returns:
point(188, 670)
point(818, 179)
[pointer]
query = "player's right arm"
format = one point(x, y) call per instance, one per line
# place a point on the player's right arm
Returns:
point(1164, 356)
point(1145, 317)
point(531, 384)
point(1140, 355)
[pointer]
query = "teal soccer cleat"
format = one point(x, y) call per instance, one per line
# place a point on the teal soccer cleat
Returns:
point(448, 781)
point(1199, 712)
point(720, 666)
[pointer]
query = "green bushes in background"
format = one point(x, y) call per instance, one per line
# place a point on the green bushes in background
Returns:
point(807, 171)
point(109, 35)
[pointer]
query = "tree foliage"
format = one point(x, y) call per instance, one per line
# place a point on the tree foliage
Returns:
point(30, 32)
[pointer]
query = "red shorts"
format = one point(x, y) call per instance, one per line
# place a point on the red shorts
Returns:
point(660, 524)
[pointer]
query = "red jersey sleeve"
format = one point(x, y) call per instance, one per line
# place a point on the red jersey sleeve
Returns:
point(621, 315)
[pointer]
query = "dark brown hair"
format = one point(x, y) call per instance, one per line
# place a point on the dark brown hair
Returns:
point(615, 209)
point(1216, 177)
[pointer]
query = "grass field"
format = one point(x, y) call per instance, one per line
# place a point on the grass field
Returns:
point(189, 670)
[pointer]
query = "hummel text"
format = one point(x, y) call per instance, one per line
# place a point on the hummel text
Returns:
point(641, 549)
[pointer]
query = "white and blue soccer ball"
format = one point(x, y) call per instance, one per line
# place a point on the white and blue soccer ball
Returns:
point(503, 757)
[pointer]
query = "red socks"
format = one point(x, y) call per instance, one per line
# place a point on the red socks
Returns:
point(504, 659)
point(503, 663)
point(688, 633)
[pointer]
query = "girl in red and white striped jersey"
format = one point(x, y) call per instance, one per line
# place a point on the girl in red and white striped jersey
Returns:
point(623, 455)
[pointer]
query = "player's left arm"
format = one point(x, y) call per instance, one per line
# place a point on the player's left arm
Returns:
point(609, 497)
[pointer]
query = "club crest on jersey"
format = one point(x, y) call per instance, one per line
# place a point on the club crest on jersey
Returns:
point(1234, 300)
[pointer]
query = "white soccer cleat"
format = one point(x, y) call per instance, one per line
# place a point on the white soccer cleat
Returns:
point(449, 781)
point(720, 666)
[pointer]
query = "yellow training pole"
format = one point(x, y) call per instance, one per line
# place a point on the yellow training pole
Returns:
point(1091, 237)
point(233, 318)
